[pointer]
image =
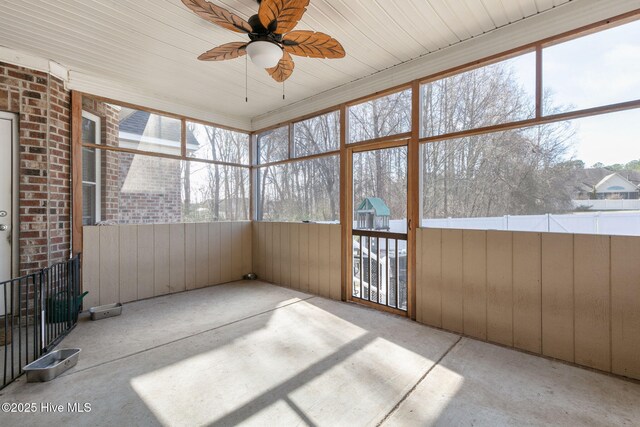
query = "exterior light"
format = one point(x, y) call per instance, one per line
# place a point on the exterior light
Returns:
point(264, 54)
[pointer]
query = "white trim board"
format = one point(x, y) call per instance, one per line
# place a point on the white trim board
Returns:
point(21, 59)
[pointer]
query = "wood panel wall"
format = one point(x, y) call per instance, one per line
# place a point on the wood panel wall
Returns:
point(301, 256)
point(132, 262)
point(571, 297)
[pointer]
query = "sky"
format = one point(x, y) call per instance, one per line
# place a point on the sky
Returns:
point(598, 69)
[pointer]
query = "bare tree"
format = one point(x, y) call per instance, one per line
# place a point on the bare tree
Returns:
point(216, 192)
point(516, 172)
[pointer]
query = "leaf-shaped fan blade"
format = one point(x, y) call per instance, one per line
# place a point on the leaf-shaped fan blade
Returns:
point(287, 13)
point(224, 52)
point(283, 70)
point(312, 44)
point(218, 15)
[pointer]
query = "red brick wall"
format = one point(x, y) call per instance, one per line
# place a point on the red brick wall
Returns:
point(43, 105)
point(135, 189)
point(150, 190)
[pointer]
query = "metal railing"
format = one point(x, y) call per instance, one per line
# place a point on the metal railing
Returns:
point(38, 310)
point(380, 268)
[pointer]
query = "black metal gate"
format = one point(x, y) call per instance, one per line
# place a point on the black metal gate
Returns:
point(39, 310)
point(380, 268)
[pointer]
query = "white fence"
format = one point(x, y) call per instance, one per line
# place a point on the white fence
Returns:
point(617, 223)
point(608, 205)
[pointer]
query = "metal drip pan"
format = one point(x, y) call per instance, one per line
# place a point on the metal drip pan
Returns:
point(104, 311)
point(51, 365)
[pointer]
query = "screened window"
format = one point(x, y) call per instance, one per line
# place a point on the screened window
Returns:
point(145, 131)
point(215, 192)
point(90, 169)
point(319, 134)
point(380, 117)
point(498, 93)
point(141, 189)
point(213, 143)
point(554, 177)
point(306, 190)
point(593, 70)
point(273, 145)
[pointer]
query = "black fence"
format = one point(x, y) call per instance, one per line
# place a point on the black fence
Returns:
point(380, 268)
point(39, 309)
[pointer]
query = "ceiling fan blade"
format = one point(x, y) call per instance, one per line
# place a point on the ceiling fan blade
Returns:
point(218, 15)
point(312, 44)
point(287, 13)
point(283, 70)
point(224, 52)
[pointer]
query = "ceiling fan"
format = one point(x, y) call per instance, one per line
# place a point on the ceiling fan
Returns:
point(272, 40)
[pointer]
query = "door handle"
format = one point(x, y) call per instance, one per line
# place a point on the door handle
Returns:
point(4, 227)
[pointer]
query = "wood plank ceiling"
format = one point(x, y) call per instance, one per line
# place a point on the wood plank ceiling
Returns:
point(152, 45)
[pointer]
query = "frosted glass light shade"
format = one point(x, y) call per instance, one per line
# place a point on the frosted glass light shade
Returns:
point(264, 54)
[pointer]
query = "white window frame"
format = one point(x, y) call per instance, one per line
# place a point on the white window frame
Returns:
point(98, 181)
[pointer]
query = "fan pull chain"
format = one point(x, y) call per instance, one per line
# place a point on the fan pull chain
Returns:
point(246, 78)
point(283, 90)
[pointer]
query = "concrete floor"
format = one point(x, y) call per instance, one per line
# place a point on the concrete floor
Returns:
point(253, 353)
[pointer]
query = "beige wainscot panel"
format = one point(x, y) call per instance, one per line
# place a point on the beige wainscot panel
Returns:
point(474, 283)
point(128, 262)
point(91, 266)
point(146, 270)
point(314, 236)
point(452, 280)
point(557, 296)
point(592, 301)
point(285, 253)
point(190, 256)
point(324, 249)
point(247, 248)
point(109, 265)
point(430, 283)
point(335, 260)
point(303, 251)
point(236, 250)
point(625, 306)
point(202, 255)
point(162, 250)
point(268, 251)
point(177, 258)
point(527, 292)
point(214, 262)
point(500, 287)
point(294, 239)
point(224, 253)
point(276, 253)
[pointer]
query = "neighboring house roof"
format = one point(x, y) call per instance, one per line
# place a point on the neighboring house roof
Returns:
point(376, 204)
point(143, 123)
point(615, 183)
point(587, 179)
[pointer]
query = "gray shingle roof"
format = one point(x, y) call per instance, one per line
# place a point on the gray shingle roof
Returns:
point(163, 128)
point(592, 176)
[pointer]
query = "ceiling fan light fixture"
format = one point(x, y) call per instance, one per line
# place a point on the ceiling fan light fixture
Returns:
point(264, 54)
point(271, 34)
